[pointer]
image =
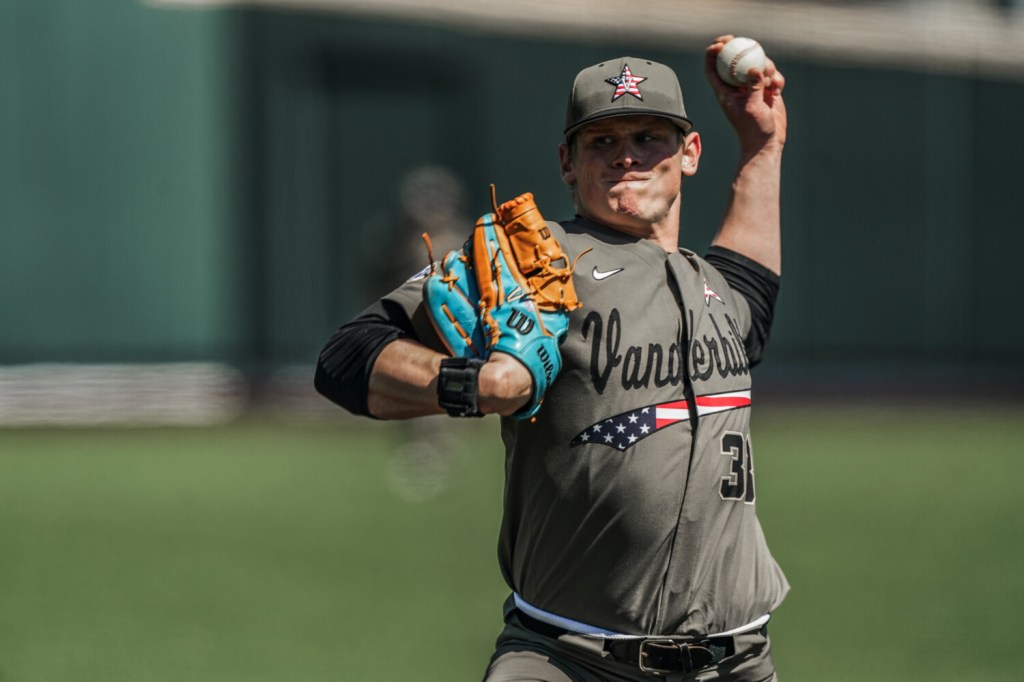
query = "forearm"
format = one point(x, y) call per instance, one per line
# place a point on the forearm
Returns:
point(752, 222)
point(403, 383)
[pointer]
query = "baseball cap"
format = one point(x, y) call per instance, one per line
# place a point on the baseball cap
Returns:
point(626, 86)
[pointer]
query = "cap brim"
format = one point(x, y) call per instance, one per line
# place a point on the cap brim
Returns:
point(682, 122)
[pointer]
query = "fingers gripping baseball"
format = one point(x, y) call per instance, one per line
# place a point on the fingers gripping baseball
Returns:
point(755, 108)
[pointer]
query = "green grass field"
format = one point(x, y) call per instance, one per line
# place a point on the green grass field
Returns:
point(273, 550)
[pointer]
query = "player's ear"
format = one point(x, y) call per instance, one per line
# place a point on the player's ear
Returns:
point(691, 153)
point(565, 163)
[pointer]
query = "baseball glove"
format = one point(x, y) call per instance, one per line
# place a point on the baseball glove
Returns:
point(509, 289)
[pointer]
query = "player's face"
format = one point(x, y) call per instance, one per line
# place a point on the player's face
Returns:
point(627, 171)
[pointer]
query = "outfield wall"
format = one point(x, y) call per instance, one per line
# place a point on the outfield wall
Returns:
point(198, 186)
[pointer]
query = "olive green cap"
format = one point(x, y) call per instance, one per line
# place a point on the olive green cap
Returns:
point(627, 86)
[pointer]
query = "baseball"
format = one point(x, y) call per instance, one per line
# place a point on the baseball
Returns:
point(738, 57)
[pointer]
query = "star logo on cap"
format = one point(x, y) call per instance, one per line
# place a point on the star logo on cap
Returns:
point(626, 84)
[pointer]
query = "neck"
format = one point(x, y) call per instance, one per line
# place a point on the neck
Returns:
point(667, 239)
point(664, 231)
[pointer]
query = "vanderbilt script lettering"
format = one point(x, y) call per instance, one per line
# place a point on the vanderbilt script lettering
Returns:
point(662, 363)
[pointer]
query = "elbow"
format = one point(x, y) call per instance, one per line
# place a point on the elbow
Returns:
point(344, 365)
point(341, 383)
point(322, 381)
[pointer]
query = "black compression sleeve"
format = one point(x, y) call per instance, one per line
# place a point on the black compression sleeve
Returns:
point(757, 284)
point(343, 369)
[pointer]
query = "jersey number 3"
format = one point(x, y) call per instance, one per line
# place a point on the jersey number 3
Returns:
point(739, 483)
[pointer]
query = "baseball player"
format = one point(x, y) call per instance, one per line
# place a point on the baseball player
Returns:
point(629, 539)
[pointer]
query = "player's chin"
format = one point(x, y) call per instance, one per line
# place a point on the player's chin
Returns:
point(628, 204)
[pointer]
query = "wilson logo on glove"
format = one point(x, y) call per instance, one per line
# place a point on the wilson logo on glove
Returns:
point(509, 289)
point(519, 322)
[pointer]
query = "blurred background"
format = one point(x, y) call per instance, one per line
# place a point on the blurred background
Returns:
point(195, 194)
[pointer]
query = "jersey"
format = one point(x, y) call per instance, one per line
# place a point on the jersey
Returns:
point(630, 499)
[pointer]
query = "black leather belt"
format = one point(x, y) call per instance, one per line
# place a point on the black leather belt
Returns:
point(655, 655)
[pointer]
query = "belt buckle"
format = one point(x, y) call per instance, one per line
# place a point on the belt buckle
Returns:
point(664, 656)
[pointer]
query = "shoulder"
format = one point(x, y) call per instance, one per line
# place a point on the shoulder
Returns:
point(569, 237)
point(702, 266)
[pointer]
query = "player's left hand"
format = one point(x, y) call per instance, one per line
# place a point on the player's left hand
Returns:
point(757, 111)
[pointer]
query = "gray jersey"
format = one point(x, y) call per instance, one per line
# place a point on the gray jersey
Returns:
point(629, 500)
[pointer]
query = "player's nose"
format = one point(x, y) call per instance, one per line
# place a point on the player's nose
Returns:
point(626, 156)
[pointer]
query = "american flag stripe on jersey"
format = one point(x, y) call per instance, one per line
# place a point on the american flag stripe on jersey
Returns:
point(625, 430)
point(709, 404)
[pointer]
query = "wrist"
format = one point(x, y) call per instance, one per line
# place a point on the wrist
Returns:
point(458, 386)
point(769, 150)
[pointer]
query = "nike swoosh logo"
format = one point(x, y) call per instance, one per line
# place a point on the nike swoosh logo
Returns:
point(598, 275)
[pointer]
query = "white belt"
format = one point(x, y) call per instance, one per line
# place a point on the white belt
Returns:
point(592, 631)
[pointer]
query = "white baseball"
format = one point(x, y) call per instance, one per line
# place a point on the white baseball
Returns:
point(738, 57)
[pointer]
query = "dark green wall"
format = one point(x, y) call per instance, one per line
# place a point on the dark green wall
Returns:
point(182, 184)
point(114, 182)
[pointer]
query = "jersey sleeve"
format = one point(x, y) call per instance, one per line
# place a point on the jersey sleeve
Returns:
point(758, 285)
point(344, 365)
